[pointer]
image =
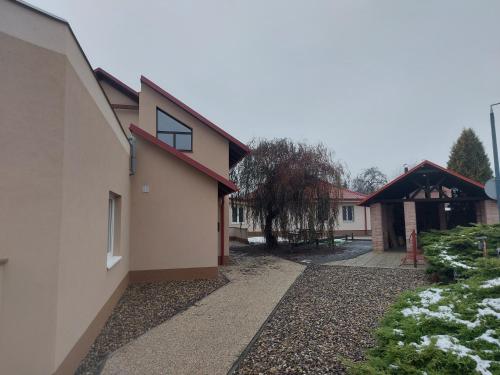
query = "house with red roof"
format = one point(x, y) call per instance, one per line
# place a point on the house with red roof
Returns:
point(102, 186)
point(352, 218)
point(426, 197)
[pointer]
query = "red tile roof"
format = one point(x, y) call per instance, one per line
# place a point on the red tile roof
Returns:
point(352, 195)
point(228, 186)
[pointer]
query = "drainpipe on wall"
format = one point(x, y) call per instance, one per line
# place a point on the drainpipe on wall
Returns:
point(222, 232)
point(132, 156)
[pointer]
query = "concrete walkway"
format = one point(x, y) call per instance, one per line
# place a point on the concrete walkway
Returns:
point(209, 336)
point(386, 259)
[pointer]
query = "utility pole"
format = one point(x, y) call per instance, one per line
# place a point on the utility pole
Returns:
point(495, 155)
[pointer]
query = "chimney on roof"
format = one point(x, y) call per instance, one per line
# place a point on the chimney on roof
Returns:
point(405, 166)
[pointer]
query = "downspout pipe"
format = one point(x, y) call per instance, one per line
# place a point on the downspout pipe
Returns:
point(222, 232)
point(133, 160)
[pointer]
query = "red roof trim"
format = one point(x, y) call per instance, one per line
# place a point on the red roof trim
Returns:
point(200, 167)
point(425, 162)
point(129, 91)
point(195, 114)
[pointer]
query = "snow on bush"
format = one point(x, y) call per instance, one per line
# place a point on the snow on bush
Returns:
point(445, 329)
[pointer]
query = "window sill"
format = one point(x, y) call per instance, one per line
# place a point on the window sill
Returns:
point(112, 261)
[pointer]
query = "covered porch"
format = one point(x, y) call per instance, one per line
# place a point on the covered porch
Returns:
point(427, 197)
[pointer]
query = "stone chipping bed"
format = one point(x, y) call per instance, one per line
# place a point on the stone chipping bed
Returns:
point(142, 307)
point(328, 315)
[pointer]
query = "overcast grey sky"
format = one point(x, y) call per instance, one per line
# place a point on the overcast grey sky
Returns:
point(379, 82)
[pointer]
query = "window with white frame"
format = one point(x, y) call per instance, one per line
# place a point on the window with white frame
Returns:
point(113, 230)
point(347, 213)
point(237, 215)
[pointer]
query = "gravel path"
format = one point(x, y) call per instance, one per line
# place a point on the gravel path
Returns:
point(142, 307)
point(328, 315)
point(208, 337)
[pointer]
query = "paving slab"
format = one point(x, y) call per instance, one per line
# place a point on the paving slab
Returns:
point(385, 259)
point(208, 337)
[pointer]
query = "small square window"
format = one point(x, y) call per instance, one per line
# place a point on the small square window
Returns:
point(237, 215)
point(347, 213)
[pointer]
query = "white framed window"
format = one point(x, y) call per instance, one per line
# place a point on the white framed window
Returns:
point(237, 216)
point(347, 213)
point(112, 256)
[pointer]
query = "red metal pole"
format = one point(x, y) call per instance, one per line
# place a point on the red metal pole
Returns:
point(222, 232)
point(414, 243)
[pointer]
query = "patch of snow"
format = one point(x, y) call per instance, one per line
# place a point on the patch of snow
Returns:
point(488, 306)
point(260, 239)
point(452, 260)
point(491, 307)
point(489, 338)
point(491, 283)
point(306, 261)
point(398, 332)
point(451, 344)
point(444, 313)
point(430, 296)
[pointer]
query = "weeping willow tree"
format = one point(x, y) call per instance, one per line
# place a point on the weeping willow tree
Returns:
point(289, 186)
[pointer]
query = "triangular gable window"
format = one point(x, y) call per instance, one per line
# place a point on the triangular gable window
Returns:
point(173, 132)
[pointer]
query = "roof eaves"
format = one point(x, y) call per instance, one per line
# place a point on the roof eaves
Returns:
point(229, 185)
point(118, 84)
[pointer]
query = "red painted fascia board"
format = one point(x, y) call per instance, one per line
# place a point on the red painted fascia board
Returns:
point(126, 88)
point(195, 114)
point(425, 162)
point(200, 167)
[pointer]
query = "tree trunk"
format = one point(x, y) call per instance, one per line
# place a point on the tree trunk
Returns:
point(271, 241)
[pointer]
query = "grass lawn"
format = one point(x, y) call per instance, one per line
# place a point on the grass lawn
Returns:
point(452, 327)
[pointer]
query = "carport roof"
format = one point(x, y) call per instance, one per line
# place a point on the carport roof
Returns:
point(425, 172)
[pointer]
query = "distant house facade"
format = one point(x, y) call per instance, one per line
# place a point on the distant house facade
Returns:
point(101, 186)
point(426, 197)
point(352, 218)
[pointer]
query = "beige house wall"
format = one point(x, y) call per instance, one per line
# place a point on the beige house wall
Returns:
point(209, 148)
point(162, 223)
point(358, 224)
point(54, 118)
point(31, 154)
point(94, 164)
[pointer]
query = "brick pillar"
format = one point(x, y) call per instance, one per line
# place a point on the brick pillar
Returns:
point(376, 220)
point(480, 217)
point(490, 211)
point(410, 223)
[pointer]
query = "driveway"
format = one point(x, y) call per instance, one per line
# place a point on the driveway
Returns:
point(310, 254)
